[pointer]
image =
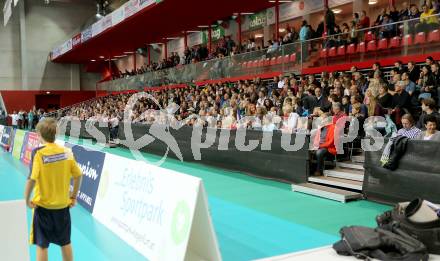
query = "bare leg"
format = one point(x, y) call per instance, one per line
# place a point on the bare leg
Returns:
point(41, 254)
point(67, 252)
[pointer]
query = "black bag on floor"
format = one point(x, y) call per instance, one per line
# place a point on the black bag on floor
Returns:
point(428, 233)
point(366, 243)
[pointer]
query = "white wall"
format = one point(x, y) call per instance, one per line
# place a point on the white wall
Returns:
point(24, 49)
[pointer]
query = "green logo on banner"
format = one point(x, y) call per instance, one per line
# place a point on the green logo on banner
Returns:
point(180, 224)
point(18, 143)
point(257, 20)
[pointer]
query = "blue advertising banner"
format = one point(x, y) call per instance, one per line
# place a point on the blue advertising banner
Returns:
point(91, 163)
point(6, 137)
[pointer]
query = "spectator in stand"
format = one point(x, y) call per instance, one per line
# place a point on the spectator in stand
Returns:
point(426, 83)
point(413, 16)
point(431, 133)
point(353, 32)
point(357, 99)
point(376, 67)
point(408, 129)
point(429, 108)
point(400, 102)
point(355, 18)
point(304, 35)
point(414, 72)
point(364, 21)
point(338, 113)
point(394, 14)
point(356, 112)
point(381, 17)
point(324, 142)
point(405, 12)
point(410, 86)
point(322, 100)
point(387, 27)
point(329, 21)
point(14, 119)
point(428, 20)
point(373, 106)
point(399, 66)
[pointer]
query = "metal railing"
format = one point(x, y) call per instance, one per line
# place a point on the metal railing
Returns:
point(287, 58)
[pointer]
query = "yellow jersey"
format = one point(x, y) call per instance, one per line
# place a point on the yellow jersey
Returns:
point(429, 18)
point(53, 167)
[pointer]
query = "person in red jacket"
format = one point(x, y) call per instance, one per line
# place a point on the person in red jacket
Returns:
point(324, 142)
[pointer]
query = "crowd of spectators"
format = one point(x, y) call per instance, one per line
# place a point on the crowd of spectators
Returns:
point(408, 98)
point(423, 18)
point(26, 120)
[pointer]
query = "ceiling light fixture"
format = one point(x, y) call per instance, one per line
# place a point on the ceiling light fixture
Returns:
point(282, 30)
point(93, 60)
point(193, 31)
point(337, 11)
point(203, 26)
point(101, 57)
point(128, 52)
point(248, 13)
point(372, 2)
point(259, 36)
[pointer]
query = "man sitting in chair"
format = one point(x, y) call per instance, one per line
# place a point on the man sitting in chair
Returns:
point(324, 142)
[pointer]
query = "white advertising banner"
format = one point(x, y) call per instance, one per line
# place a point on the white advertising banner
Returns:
point(131, 7)
point(7, 12)
point(67, 46)
point(145, 3)
point(195, 39)
point(161, 213)
point(296, 9)
point(118, 15)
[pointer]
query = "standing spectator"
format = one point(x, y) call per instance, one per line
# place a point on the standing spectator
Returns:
point(324, 142)
point(405, 12)
point(14, 118)
point(304, 35)
point(31, 116)
point(380, 17)
point(364, 21)
point(408, 129)
point(329, 20)
point(353, 32)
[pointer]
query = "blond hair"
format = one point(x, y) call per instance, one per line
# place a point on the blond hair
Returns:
point(47, 129)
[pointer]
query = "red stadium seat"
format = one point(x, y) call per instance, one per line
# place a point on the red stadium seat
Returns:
point(382, 44)
point(434, 36)
point(362, 48)
point(292, 58)
point(244, 65)
point(323, 53)
point(273, 61)
point(332, 52)
point(371, 46)
point(279, 59)
point(407, 40)
point(369, 36)
point(286, 58)
point(420, 38)
point(267, 62)
point(255, 63)
point(351, 49)
point(261, 63)
point(395, 42)
point(341, 50)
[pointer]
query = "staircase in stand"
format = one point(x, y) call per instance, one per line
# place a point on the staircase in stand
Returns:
point(343, 183)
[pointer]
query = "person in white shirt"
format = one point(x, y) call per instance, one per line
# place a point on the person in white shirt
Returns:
point(14, 116)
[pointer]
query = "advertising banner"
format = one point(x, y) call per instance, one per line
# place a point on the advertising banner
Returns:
point(86, 34)
point(257, 20)
point(6, 136)
point(118, 15)
point(145, 3)
point(91, 163)
point(131, 7)
point(159, 212)
point(18, 143)
point(31, 142)
point(106, 23)
point(76, 40)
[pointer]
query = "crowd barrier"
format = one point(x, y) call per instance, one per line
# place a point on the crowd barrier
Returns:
point(418, 174)
point(161, 213)
point(272, 162)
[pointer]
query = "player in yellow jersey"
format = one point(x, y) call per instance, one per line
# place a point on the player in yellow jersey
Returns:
point(52, 169)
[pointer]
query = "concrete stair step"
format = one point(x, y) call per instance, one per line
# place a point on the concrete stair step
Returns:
point(350, 165)
point(342, 173)
point(326, 192)
point(337, 182)
point(358, 159)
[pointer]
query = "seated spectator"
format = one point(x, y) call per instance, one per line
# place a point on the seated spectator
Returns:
point(357, 99)
point(324, 142)
point(410, 86)
point(338, 113)
point(356, 112)
point(431, 133)
point(400, 102)
point(408, 129)
point(414, 72)
point(374, 107)
point(346, 104)
point(428, 108)
point(428, 20)
point(426, 83)
point(322, 100)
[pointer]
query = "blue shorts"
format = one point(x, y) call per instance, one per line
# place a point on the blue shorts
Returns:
point(50, 226)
